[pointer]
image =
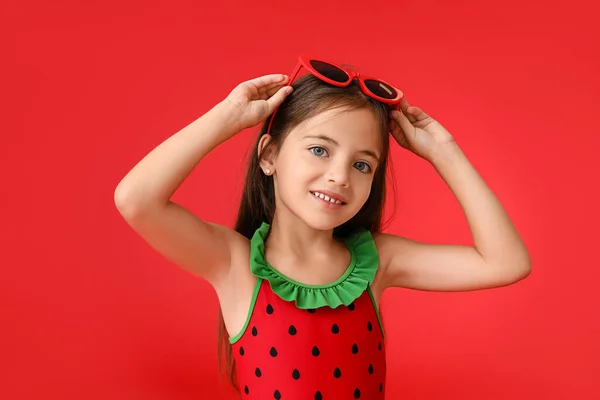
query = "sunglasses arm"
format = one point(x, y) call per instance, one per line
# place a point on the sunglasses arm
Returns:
point(294, 73)
point(290, 81)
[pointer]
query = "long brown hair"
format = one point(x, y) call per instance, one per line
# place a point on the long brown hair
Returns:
point(310, 97)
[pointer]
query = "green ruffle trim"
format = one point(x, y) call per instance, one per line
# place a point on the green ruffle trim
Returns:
point(359, 274)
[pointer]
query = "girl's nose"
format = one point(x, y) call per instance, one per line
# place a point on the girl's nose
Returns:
point(338, 174)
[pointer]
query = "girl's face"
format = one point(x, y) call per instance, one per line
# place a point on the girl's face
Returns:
point(333, 154)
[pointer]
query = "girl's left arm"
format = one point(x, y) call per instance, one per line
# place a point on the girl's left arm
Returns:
point(499, 256)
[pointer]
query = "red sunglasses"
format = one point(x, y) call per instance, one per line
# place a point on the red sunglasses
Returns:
point(342, 76)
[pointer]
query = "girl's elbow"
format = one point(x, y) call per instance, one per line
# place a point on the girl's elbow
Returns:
point(524, 270)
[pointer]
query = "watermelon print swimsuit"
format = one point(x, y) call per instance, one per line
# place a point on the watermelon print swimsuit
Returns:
point(312, 342)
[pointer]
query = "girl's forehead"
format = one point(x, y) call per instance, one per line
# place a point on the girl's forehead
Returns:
point(358, 124)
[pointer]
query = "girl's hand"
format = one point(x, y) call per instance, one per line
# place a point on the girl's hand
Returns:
point(418, 132)
point(257, 98)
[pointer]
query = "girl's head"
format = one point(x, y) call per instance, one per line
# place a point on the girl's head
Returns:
point(323, 138)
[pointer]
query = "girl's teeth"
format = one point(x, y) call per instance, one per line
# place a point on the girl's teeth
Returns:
point(327, 198)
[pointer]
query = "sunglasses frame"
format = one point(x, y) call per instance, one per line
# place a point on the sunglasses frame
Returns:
point(304, 61)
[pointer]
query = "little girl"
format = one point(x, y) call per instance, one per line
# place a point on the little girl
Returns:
point(300, 278)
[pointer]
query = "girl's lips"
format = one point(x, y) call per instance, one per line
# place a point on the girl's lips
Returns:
point(327, 204)
point(331, 195)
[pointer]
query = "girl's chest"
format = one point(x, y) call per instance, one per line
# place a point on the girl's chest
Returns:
point(331, 350)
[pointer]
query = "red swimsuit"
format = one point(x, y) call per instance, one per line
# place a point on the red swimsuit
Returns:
point(312, 342)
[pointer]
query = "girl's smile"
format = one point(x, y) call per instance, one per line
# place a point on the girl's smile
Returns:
point(329, 196)
point(327, 202)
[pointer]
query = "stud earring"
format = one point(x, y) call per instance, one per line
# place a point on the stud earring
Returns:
point(268, 171)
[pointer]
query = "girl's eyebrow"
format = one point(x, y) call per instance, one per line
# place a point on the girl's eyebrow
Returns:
point(335, 143)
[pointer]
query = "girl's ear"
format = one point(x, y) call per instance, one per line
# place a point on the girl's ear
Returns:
point(265, 157)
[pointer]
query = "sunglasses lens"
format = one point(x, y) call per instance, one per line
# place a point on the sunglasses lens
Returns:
point(329, 71)
point(381, 89)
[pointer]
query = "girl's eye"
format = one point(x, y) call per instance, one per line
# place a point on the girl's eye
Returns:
point(363, 167)
point(319, 151)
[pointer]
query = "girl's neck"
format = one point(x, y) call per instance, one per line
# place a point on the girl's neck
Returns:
point(305, 254)
point(295, 241)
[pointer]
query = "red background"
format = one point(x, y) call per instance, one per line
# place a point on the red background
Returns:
point(89, 311)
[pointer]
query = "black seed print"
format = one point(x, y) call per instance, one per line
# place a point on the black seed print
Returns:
point(254, 331)
point(354, 348)
point(351, 306)
point(257, 372)
point(337, 373)
point(246, 389)
point(369, 326)
point(292, 331)
point(379, 346)
point(241, 351)
point(277, 395)
point(318, 396)
point(315, 351)
point(370, 368)
point(311, 310)
point(381, 387)
point(296, 374)
point(269, 309)
point(335, 329)
point(273, 352)
point(357, 393)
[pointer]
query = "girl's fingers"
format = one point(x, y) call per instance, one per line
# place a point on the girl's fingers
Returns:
point(404, 107)
point(269, 91)
point(278, 98)
point(268, 94)
point(418, 114)
point(272, 87)
point(267, 80)
point(398, 134)
point(403, 122)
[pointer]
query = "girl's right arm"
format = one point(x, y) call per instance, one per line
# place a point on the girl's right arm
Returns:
point(143, 197)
